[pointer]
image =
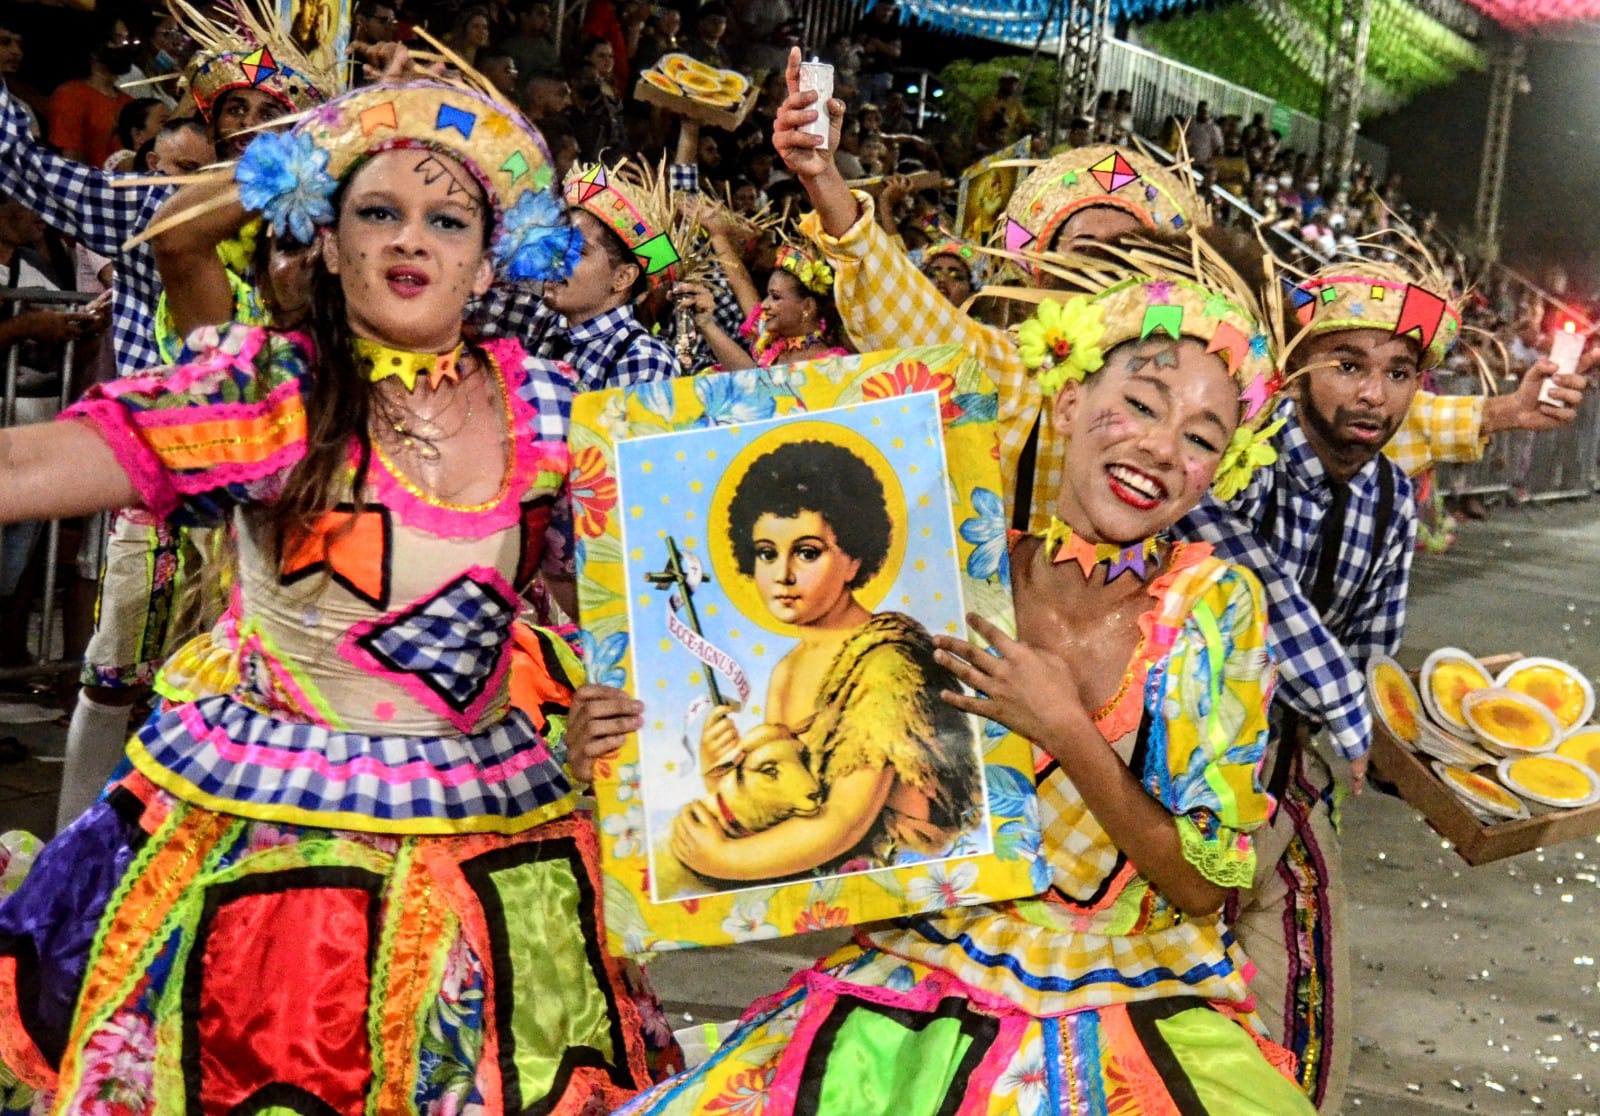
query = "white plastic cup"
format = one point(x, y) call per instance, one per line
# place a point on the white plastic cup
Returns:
point(1565, 349)
point(818, 76)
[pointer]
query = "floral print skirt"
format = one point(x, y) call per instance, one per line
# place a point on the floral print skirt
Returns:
point(162, 957)
point(867, 1033)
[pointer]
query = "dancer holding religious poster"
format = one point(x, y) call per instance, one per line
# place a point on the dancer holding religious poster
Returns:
point(783, 571)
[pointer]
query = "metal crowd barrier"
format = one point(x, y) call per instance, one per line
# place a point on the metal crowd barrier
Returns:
point(15, 300)
point(1549, 465)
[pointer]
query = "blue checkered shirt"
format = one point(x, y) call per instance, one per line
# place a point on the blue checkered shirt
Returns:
point(1321, 659)
point(80, 202)
point(607, 351)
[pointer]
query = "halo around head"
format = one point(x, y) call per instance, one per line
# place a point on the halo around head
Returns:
point(1099, 174)
point(291, 178)
point(740, 589)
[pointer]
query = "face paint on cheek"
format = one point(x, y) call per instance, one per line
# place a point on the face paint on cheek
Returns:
point(1199, 475)
point(1102, 419)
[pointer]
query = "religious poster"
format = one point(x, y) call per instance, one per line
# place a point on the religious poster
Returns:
point(320, 28)
point(984, 190)
point(764, 557)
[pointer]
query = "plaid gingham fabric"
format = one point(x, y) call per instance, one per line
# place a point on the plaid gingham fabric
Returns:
point(607, 351)
point(885, 302)
point(451, 642)
point(503, 772)
point(80, 202)
point(1320, 658)
point(547, 388)
point(1438, 428)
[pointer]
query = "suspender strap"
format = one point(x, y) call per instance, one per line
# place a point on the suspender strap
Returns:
point(1027, 466)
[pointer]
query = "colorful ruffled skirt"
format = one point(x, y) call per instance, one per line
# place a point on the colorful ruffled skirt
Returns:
point(867, 1033)
point(163, 957)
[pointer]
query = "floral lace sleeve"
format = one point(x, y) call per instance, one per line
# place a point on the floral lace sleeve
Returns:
point(224, 429)
point(1210, 695)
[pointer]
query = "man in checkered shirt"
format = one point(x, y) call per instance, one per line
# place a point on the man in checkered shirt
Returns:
point(1329, 528)
point(587, 318)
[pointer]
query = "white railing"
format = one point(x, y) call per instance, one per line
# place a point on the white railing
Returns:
point(1163, 88)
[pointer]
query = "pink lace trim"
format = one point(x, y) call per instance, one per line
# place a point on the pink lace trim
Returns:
point(149, 477)
point(1155, 640)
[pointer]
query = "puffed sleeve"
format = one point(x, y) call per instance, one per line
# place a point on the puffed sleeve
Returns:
point(1210, 729)
point(224, 429)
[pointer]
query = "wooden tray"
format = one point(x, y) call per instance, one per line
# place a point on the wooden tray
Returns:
point(1474, 842)
point(920, 180)
point(727, 119)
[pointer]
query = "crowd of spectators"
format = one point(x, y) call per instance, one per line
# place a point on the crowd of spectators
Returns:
point(573, 73)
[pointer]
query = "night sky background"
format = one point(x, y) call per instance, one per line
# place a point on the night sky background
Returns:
point(1549, 207)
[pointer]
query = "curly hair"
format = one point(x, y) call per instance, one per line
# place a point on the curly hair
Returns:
point(818, 477)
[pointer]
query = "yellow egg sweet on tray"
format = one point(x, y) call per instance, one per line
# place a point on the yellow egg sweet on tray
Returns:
point(697, 84)
point(1559, 685)
point(1509, 723)
point(662, 82)
point(1582, 744)
point(1395, 699)
point(733, 82)
point(1484, 796)
point(1448, 675)
point(1551, 780)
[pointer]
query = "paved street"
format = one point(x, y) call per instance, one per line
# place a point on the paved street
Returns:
point(1477, 989)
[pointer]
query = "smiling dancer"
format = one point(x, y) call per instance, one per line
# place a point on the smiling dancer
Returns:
point(364, 817)
point(1141, 674)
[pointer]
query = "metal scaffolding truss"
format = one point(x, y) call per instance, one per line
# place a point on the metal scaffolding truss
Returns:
point(1083, 30)
point(1350, 29)
point(1505, 71)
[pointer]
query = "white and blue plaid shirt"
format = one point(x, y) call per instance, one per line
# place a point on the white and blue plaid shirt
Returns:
point(80, 202)
point(1274, 529)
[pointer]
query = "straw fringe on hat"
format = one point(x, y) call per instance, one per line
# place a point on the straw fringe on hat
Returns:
point(634, 200)
point(244, 47)
point(1411, 298)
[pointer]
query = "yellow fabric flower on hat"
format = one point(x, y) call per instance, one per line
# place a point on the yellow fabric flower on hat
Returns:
point(1248, 450)
point(1061, 341)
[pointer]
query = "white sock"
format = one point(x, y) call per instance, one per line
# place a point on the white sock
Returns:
point(95, 742)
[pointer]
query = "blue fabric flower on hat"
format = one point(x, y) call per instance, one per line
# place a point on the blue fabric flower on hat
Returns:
point(285, 178)
point(535, 241)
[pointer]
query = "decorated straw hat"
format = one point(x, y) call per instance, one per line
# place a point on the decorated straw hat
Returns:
point(1412, 301)
point(976, 263)
point(250, 51)
point(1100, 174)
point(291, 177)
point(632, 200)
point(1160, 289)
point(808, 268)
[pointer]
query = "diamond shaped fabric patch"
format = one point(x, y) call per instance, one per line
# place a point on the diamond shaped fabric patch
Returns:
point(448, 650)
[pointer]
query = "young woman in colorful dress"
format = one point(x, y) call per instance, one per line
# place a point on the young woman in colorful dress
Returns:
point(354, 882)
point(796, 320)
